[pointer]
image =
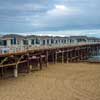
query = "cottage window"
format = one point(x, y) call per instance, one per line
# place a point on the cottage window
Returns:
point(37, 41)
point(25, 42)
point(32, 42)
point(47, 41)
point(81, 40)
point(56, 41)
point(52, 41)
point(64, 41)
point(43, 42)
point(59, 41)
point(12, 41)
point(71, 41)
point(4, 42)
point(1, 42)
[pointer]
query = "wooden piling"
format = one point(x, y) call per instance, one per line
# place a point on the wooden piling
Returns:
point(56, 57)
point(47, 58)
point(16, 71)
point(62, 54)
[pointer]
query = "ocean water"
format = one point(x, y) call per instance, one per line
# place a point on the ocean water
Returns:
point(94, 58)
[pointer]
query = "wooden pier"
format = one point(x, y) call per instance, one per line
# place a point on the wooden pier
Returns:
point(36, 59)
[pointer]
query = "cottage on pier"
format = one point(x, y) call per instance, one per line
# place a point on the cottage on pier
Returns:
point(18, 43)
point(93, 40)
point(13, 42)
point(46, 40)
point(34, 40)
point(78, 39)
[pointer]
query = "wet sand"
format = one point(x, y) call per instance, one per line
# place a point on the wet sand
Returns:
point(76, 81)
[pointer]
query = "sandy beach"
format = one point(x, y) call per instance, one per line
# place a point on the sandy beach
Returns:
point(73, 81)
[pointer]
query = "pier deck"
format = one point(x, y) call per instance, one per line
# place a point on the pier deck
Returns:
point(36, 58)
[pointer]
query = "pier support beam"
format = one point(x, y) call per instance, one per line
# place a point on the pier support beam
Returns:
point(56, 57)
point(16, 71)
point(62, 57)
point(28, 65)
point(40, 62)
point(47, 54)
point(97, 51)
point(75, 54)
point(71, 56)
point(53, 57)
point(78, 54)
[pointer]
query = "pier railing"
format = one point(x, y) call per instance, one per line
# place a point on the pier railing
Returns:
point(16, 48)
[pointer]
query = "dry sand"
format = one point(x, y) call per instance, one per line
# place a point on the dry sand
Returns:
point(76, 81)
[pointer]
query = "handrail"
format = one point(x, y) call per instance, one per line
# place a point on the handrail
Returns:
point(21, 49)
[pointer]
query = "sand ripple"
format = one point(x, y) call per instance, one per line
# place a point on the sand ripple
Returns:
point(57, 82)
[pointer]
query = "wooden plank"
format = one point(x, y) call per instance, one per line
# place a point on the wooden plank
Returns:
point(20, 62)
point(13, 64)
point(5, 59)
point(7, 65)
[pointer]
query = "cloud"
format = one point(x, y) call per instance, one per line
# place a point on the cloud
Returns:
point(48, 15)
point(61, 10)
point(55, 17)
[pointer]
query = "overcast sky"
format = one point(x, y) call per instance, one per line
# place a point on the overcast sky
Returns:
point(23, 16)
